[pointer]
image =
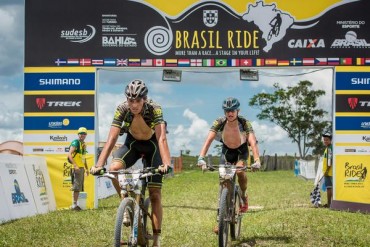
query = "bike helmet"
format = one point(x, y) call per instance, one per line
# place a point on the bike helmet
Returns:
point(136, 89)
point(82, 130)
point(230, 104)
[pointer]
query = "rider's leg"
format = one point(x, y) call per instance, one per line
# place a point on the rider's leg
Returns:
point(242, 177)
point(157, 210)
point(115, 166)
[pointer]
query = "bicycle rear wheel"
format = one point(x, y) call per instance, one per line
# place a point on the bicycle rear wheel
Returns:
point(236, 221)
point(223, 220)
point(147, 221)
point(123, 230)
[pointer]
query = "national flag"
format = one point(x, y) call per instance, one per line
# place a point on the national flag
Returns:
point(122, 62)
point(283, 63)
point(346, 61)
point(97, 62)
point(85, 62)
point(171, 62)
point(182, 62)
point(221, 62)
point(246, 62)
point(109, 62)
point(134, 62)
point(296, 62)
point(196, 62)
point(321, 61)
point(360, 61)
point(259, 62)
point(367, 61)
point(270, 61)
point(208, 62)
point(147, 62)
point(233, 62)
point(72, 61)
point(60, 62)
point(159, 62)
point(333, 60)
point(308, 61)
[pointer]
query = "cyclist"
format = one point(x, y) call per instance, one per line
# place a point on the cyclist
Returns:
point(142, 120)
point(275, 23)
point(235, 133)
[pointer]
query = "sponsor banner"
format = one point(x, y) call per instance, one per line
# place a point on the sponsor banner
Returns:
point(59, 103)
point(52, 148)
point(352, 123)
point(40, 183)
point(59, 81)
point(18, 194)
point(352, 103)
point(58, 123)
point(60, 176)
point(352, 80)
point(363, 138)
point(87, 30)
point(352, 149)
point(352, 183)
point(55, 138)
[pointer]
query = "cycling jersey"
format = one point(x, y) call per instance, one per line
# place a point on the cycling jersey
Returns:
point(327, 165)
point(245, 127)
point(151, 113)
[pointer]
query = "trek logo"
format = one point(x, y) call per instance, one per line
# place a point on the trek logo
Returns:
point(352, 102)
point(78, 36)
point(40, 102)
point(306, 43)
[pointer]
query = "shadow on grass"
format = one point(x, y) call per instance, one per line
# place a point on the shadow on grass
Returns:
point(190, 207)
point(271, 240)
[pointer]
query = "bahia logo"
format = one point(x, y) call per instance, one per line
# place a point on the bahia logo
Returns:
point(78, 35)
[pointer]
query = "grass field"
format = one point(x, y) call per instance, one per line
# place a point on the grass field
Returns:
point(281, 215)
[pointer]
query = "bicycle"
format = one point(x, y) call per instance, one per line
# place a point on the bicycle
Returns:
point(274, 31)
point(134, 207)
point(230, 200)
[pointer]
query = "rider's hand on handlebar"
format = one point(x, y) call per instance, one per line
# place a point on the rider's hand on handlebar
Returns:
point(95, 170)
point(256, 165)
point(201, 161)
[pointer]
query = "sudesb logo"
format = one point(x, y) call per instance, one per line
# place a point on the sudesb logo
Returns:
point(40, 102)
point(352, 102)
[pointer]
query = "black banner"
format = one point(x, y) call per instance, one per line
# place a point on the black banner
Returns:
point(352, 103)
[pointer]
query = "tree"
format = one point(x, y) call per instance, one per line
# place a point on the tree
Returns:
point(295, 110)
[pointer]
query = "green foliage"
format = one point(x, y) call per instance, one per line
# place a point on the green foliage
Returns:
point(295, 110)
point(280, 215)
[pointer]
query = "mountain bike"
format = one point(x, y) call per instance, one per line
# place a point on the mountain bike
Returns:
point(274, 31)
point(230, 200)
point(133, 225)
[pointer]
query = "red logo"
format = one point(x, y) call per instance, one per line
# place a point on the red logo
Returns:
point(40, 102)
point(352, 102)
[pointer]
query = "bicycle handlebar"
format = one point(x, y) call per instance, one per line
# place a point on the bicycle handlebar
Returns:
point(213, 167)
point(148, 171)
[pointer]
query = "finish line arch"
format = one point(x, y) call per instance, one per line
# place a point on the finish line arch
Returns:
point(66, 42)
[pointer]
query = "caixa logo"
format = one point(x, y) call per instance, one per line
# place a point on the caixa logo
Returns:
point(78, 35)
point(18, 196)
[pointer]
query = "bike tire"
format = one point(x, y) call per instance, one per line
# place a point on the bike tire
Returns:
point(147, 222)
point(223, 219)
point(123, 232)
point(235, 225)
point(269, 36)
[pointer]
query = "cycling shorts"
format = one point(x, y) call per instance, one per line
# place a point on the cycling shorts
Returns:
point(234, 155)
point(132, 150)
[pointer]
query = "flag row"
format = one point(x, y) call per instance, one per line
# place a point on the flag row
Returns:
point(233, 62)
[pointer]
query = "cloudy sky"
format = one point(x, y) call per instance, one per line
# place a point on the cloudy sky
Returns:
point(189, 106)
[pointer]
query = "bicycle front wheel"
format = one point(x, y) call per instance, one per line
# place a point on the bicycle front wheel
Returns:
point(236, 222)
point(223, 220)
point(123, 231)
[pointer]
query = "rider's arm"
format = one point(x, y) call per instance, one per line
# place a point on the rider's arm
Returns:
point(109, 145)
point(211, 136)
point(253, 144)
point(160, 133)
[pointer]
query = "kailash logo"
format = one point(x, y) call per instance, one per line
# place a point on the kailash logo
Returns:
point(78, 35)
point(40, 102)
point(210, 17)
point(350, 41)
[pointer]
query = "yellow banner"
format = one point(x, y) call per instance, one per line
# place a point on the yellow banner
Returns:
point(351, 181)
point(60, 176)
